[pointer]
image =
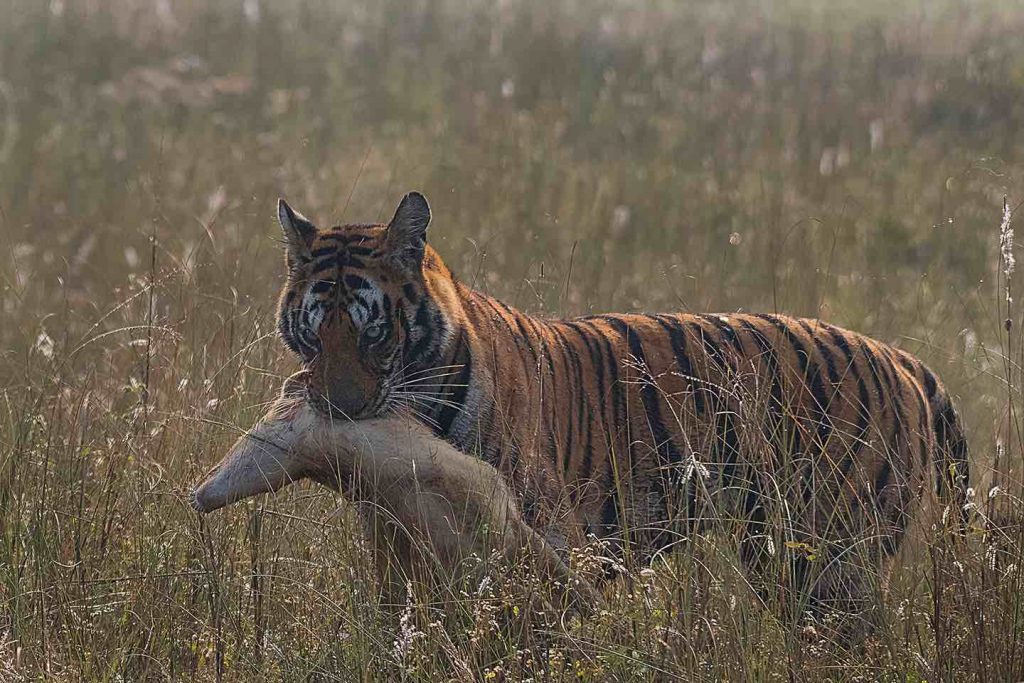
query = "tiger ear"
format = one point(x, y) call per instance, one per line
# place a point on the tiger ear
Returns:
point(407, 232)
point(299, 234)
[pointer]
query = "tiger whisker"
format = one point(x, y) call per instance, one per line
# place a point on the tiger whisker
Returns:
point(433, 385)
point(438, 367)
point(425, 386)
point(427, 398)
point(452, 369)
point(418, 414)
point(427, 378)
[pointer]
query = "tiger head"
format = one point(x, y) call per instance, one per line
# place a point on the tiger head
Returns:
point(359, 307)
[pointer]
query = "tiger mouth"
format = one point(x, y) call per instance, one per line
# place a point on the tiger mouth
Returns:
point(323, 405)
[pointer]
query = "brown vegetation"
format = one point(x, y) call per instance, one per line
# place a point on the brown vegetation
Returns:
point(846, 160)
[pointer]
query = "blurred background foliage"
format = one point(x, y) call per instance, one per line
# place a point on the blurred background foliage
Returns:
point(846, 160)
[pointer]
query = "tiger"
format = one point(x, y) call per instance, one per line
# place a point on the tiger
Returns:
point(793, 435)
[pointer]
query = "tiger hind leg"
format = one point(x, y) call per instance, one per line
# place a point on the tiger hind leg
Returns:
point(844, 596)
point(821, 590)
point(847, 578)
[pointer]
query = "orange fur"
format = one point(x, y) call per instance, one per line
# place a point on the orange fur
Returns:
point(635, 428)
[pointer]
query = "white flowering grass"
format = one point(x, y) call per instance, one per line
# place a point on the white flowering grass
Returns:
point(581, 157)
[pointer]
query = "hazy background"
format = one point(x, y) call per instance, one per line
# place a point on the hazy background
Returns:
point(846, 160)
point(842, 159)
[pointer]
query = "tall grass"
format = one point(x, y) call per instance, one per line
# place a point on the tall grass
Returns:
point(843, 160)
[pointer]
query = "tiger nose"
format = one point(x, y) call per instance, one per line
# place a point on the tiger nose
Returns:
point(345, 398)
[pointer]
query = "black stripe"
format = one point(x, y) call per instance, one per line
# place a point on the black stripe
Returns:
point(620, 418)
point(930, 383)
point(525, 339)
point(878, 370)
point(852, 455)
point(610, 512)
point(521, 336)
point(923, 427)
point(356, 283)
point(915, 388)
point(810, 374)
point(767, 352)
point(782, 436)
point(284, 330)
point(725, 427)
point(583, 420)
point(709, 387)
point(882, 478)
point(326, 263)
point(826, 354)
point(664, 446)
point(728, 333)
point(463, 355)
point(549, 397)
point(836, 380)
point(516, 333)
point(597, 365)
point(883, 397)
point(423, 321)
point(410, 292)
point(677, 340)
point(711, 347)
point(350, 235)
point(321, 286)
point(575, 393)
point(863, 407)
point(331, 235)
point(811, 377)
point(569, 387)
point(476, 441)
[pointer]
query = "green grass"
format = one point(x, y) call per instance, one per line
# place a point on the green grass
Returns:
point(846, 160)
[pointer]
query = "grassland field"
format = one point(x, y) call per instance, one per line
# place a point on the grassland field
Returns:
point(844, 160)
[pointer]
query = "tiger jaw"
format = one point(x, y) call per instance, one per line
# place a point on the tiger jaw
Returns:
point(378, 407)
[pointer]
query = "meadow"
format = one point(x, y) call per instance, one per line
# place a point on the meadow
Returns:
point(844, 160)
